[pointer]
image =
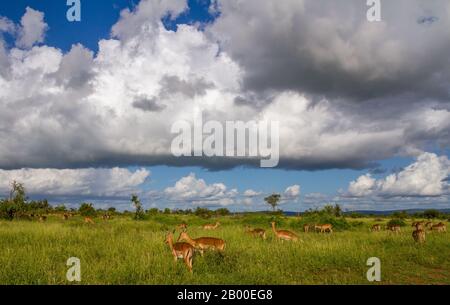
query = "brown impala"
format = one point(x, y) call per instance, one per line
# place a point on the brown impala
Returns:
point(203, 243)
point(181, 250)
point(284, 234)
point(440, 227)
point(376, 228)
point(256, 232)
point(88, 220)
point(419, 235)
point(211, 227)
point(394, 228)
point(182, 227)
point(324, 228)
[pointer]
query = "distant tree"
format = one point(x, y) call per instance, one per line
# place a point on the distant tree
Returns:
point(400, 215)
point(167, 211)
point(431, 214)
point(202, 212)
point(61, 208)
point(153, 211)
point(337, 211)
point(222, 212)
point(87, 209)
point(273, 200)
point(112, 211)
point(139, 212)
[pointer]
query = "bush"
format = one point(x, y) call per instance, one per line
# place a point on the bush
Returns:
point(87, 209)
point(429, 214)
point(396, 222)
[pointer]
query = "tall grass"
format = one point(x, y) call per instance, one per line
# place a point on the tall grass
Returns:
point(123, 251)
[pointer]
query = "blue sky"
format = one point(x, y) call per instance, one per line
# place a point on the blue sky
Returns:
point(99, 16)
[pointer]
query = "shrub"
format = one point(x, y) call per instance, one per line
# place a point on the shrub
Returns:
point(139, 213)
point(396, 222)
point(431, 214)
point(87, 209)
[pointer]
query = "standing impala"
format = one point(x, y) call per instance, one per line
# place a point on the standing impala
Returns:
point(284, 234)
point(256, 232)
point(211, 227)
point(181, 250)
point(324, 228)
point(203, 243)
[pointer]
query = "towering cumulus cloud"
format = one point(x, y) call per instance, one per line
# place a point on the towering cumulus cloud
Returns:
point(347, 93)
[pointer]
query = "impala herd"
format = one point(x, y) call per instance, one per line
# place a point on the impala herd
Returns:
point(186, 246)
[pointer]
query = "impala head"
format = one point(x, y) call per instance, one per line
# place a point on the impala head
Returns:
point(183, 236)
point(169, 238)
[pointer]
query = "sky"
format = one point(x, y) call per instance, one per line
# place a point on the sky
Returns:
point(363, 107)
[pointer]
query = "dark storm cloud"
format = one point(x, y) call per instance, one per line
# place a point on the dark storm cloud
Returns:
point(328, 48)
point(146, 104)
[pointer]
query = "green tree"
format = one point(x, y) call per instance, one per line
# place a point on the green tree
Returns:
point(273, 200)
point(139, 212)
point(87, 209)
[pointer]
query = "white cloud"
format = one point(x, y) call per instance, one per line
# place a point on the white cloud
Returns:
point(251, 193)
point(292, 192)
point(194, 190)
point(79, 109)
point(75, 182)
point(32, 28)
point(426, 177)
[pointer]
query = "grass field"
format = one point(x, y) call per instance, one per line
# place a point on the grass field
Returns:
point(124, 251)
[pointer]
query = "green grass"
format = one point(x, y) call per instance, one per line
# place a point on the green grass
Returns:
point(123, 251)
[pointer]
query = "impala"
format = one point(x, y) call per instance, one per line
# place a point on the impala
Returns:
point(211, 227)
point(256, 232)
point(324, 228)
point(440, 227)
point(88, 220)
point(42, 218)
point(306, 228)
point(203, 243)
point(182, 227)
point(394, 228)
point(376, 227)
point(419, 236)
point(284, 234)
point(181, 250)
point(65, 217)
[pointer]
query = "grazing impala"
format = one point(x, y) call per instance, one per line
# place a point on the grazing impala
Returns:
point(440, 227)
point(284, 234)
point(211, 227)
point(324, 228)
point(419, 236)
point(376, 228)
point(89, 220)
point(181, 250)
point(256, 232)
point(394, 228)
point(418, 225)
point(182, 227)
point(65, 217)
point(203, 243)
point(42, 218)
